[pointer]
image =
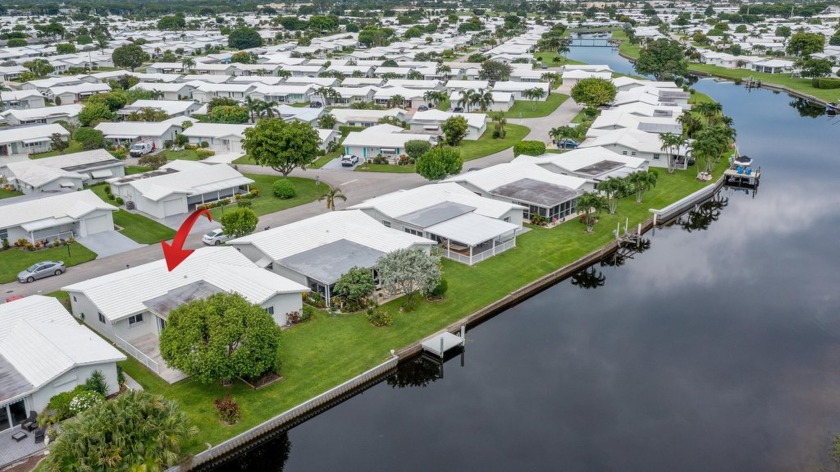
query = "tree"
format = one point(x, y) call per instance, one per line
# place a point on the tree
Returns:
point(417, 148)
point(239, 222)
point(94, 113)
point(221, 337)
point(641, 181)
point(805, 44)
point(187, 64)
point(328, 94)
point(409, 271)
point(613, 189)
point(130, 56)
point(244, 38)
point(327, 121)
point(39, 67)
point(397, 101)
point(484, 98)
point(594, 92)
point(153, 161)
point(433, 97)
point(172, 22)
point(65, 48)
point(283, 146)
point(663, 58)
point(500, 121)
point(812, 67)
point(90, 138)
point(440, 162)
point(534, 94)
point(135, 431)
point(783, 31)
point(590, 204)
point(243, 57)
point(330, 197)
point(671, 143)
point(466, 99)
point(58, 142)
point(355, 284)
point(562, 133)
point(229, 114)
point(494, 71)
point(454, 130)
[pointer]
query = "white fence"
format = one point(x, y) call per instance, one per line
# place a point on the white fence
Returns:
point(476, 258)
point(137, 354)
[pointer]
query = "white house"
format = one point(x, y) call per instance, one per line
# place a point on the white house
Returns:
point(469, 228)
point(593, 164)
point(539, 191)
point(130, 307)
point(282, 93)
point(219, 137)
point(572, 77)
point(178, 187)
point(21, 100)
point(62, 172)
point(44, 352)
point(172, 108)
point(616, 118)
point(65, 95)
point(29, 139)
point(170, 91)
point(430, 122)
point(635, 143)
point(518, 88)
point(317, 251)
point(364, 118)
point(382, 140)
point(51, 216)
point(46, 115)
point(156, 133)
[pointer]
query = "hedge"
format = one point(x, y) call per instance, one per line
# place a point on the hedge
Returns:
point(824, 83)
point(530, 148)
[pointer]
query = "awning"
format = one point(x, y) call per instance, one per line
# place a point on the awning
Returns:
point(46, 223)
point(472, 229)
point(35, 141)
point(66, 184)
point(101, 173)
point(264, 262)
point(121, 136)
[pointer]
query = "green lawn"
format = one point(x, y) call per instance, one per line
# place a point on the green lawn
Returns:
point(266, 203)
point(443, 105)
point(532, 109)
point(486, 145)
point(625, 48)
point(134, 226)
point(74, 146)
point(9, 193)
point(800, 85)
point(409, 169)
point(184, 154)
point(326, 351)
point(131, 170)
point(13, 261)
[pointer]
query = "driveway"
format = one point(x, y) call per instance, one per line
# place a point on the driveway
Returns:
point(109, 243)
point(335, 164)
point(201, 225)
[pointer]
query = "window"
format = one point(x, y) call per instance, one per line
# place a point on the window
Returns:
point(386, 223)
point(413, 231)
point(633, 153)
point(656, 156)
point(270, 310)
point(136, 319)
point(101, 318)
point(4, 234)
point(507, 219)
point(74, 298)
point(624, 152)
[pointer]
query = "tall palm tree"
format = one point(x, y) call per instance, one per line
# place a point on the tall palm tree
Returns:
point(484, 98)
point(434, 97)
point(251, 105)
point(500, 120)
point(590, 204)
point(331, 196)
point(691, 124)
point(397, 101)
point(466, 99)
point(562, 133)
point(613, 189)
point(187, 63)
point(671, 142)
point(443, 70)
point(327, 93)
point(710, 111)
point(553, 78)
point(534, 94)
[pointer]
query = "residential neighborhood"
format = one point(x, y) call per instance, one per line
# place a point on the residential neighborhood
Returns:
point(244, 212)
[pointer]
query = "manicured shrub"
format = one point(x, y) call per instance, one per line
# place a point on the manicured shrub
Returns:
point(84, 400)
point(440, 290)
point(529, 148)
point(283, 189)
point(119, 201)
point(307, 314)
point(379, 317)
point(825, 83)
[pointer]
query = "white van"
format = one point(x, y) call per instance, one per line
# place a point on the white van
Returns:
point(140, 149)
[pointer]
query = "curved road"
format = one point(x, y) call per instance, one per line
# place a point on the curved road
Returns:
point(357, 186)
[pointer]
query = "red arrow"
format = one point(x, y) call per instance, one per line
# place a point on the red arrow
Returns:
point(175, 253)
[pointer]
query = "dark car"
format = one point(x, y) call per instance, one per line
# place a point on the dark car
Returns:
point(567, 144)
point(316, 105)
point(457, 110)
point(423, 108)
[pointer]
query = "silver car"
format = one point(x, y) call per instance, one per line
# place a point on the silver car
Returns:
point(215, 237)
point(39, 270)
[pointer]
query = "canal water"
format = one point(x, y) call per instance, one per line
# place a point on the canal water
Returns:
point(714, 349)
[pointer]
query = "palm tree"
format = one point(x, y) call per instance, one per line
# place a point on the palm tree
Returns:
point(327, 93)
point(562, 133)
point(265, 109)
point(590, 204)
point(553, 78)
point(434, 97)
point(613, 190)
point(484, 98)
point(710, 110)
point(251, 105)
point(466, 99)
point(397, 101)
point(670, 143)
point(187, 63)
point(331, 196)
point(691, 124)
point(443, 70)
point(534, 94)
point(501, 121)
point(641, 181)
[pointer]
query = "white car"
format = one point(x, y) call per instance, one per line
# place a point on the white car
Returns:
point(140, 149)
point(349, 160)
point(215, 237)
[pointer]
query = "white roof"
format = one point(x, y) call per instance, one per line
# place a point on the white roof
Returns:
point(351, 225)
point(81, 88)
point(475, 120)
point(383, 136)
point(627, 137)
point(37, 172)
point(215, 130)
point(467, 84)
point(472, 229)
point(13, 95)
point(404, 202)
point(520, 86)
point(162, 87)
point(50, 208)
point(42, 341)
point(29, 114)
point(31, 133)
point(191, 178)
point(170, 107)
point(582, 157)
point(141, 128)
point(121, 294)
point(498, 175)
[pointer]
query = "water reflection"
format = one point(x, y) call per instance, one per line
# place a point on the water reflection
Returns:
point(701, 217)
point(589, 278)
point(270, 456)
point(421, 371)
point(806, 108)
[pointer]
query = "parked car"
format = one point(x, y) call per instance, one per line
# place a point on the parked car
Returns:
point(316, 105)
point(422, 108)
point(140, 149)
point(349, 160)
point(215, 237)
point(457, 110)
point(567, 143)
point(13, 298)
point(39, 270)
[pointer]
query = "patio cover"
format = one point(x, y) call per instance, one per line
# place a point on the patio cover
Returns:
point(329, 262)
point(536, 192)
point(12, 383)
point(435, 214)
point(98, 174)
point(46, 223)
point(176, 297)
point(472, 229)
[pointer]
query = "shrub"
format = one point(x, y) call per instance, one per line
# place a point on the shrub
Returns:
point(824, 83)
point(90, 138)
point(440, 289)
point(255, 192)
point(181, 140)
point(228, 409)
point(307, 314)
point(244, 203)
point(380, 160)
point(204, 144)
point(107, 189)
point(83, 400)
point(293, 317)
point(529, 148)
point(203, 153)
point(119, 201)
point(167, 144)
point(379, 317)
point(96, 383)
point(6, 244)
point(539, 220)
point(61, 403)
point(111, 197)
point(283, 189)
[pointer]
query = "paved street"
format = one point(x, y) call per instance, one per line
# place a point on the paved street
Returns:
point(357, 186)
